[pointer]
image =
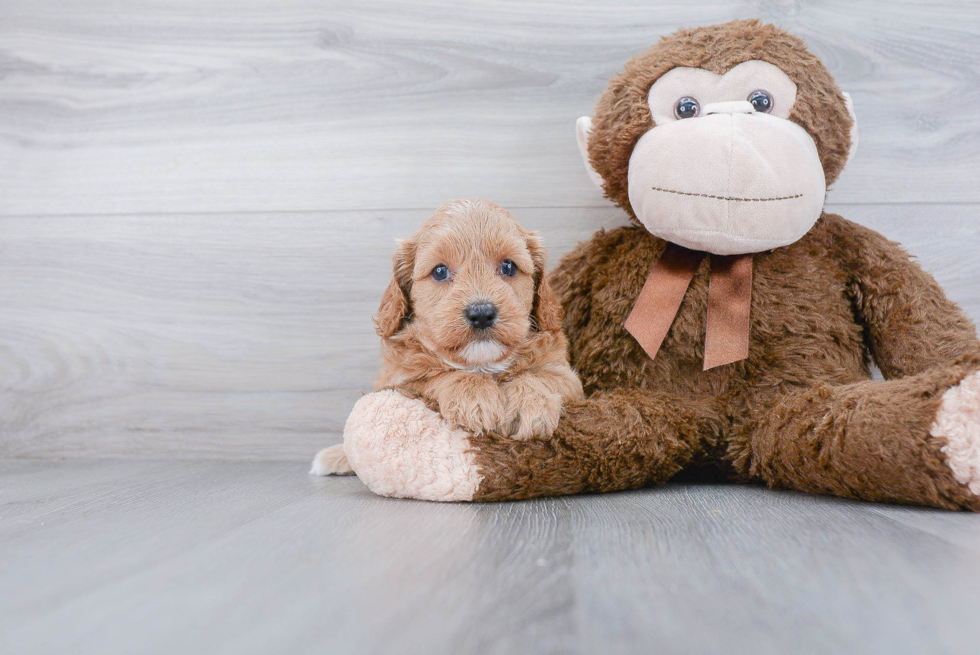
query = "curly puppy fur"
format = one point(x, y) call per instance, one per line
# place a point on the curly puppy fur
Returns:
point(511, 378)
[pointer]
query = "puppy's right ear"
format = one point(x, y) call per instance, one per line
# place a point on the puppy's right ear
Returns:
point(396, 303)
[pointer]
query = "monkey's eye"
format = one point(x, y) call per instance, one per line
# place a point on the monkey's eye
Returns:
point(440, 273)
point(687, 107)
point(508, 268)
point(761, 100)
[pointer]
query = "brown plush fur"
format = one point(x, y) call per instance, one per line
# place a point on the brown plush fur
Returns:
point(428, 346)
point(801, 411)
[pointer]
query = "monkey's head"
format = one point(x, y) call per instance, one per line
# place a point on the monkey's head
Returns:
point(722, 139)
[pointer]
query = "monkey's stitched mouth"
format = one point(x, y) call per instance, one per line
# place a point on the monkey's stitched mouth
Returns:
point(708, 195)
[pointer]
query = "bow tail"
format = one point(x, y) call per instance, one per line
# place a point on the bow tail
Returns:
point(726, 335)
point(661, 296)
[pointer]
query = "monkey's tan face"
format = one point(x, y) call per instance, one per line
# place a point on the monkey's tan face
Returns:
point(723, 169)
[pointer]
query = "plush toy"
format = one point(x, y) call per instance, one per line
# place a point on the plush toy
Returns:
point(730, 328)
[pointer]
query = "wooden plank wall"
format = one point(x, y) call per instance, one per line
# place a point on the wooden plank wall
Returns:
point(198, 199)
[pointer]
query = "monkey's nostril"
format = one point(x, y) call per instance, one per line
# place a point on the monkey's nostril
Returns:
point(480, 315)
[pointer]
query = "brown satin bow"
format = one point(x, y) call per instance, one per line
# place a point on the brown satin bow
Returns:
point(726, 337)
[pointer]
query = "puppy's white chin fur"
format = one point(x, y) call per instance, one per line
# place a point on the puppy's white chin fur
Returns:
point(482, 352)
point(483, 357)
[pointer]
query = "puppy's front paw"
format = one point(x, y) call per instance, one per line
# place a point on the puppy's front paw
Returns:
point(534, 411)
point(331, 461)
point(478, 410)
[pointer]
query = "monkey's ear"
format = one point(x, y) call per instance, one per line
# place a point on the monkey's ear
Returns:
point(546, 310)
point(396, 303)
point(854, 127)
point(583, 129)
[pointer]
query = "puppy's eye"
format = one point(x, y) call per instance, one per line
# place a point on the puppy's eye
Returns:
point(440, 273)
point(508, 268)
point(687, 107)
point(761, 101)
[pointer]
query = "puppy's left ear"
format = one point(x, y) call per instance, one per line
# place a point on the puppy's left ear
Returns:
point(546, 310)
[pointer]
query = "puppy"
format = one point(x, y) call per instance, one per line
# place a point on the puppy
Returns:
point(470, 325)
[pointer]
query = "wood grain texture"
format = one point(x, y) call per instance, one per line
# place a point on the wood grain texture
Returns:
point(189, 106)
point(220, 336)
point(198, 199)
point(250, 336)
point(203, 557)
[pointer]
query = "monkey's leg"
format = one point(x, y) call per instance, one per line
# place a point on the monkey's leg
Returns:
point(909, 440)
point(612, 441)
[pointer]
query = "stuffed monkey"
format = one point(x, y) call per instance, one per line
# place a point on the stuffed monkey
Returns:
point(731, 327)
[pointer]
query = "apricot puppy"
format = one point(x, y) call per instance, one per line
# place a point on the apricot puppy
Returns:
point(470, 325)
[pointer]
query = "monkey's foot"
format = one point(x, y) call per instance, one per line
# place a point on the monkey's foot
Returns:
point(399, 447)
point(958, 421)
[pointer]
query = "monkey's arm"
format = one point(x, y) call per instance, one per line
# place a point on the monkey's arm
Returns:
point(910, 324)
point(615, 440)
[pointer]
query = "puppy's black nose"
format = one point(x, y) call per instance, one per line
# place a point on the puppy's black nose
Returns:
point(481, 315)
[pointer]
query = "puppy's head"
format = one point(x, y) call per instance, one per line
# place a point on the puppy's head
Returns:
point(471, 285)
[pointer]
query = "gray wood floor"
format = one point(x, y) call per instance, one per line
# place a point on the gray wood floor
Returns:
point(110, 557)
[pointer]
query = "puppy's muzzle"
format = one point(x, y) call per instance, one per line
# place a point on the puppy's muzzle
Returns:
point(480, 315)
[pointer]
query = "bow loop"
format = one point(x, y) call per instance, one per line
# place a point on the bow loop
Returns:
point(726, 337)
